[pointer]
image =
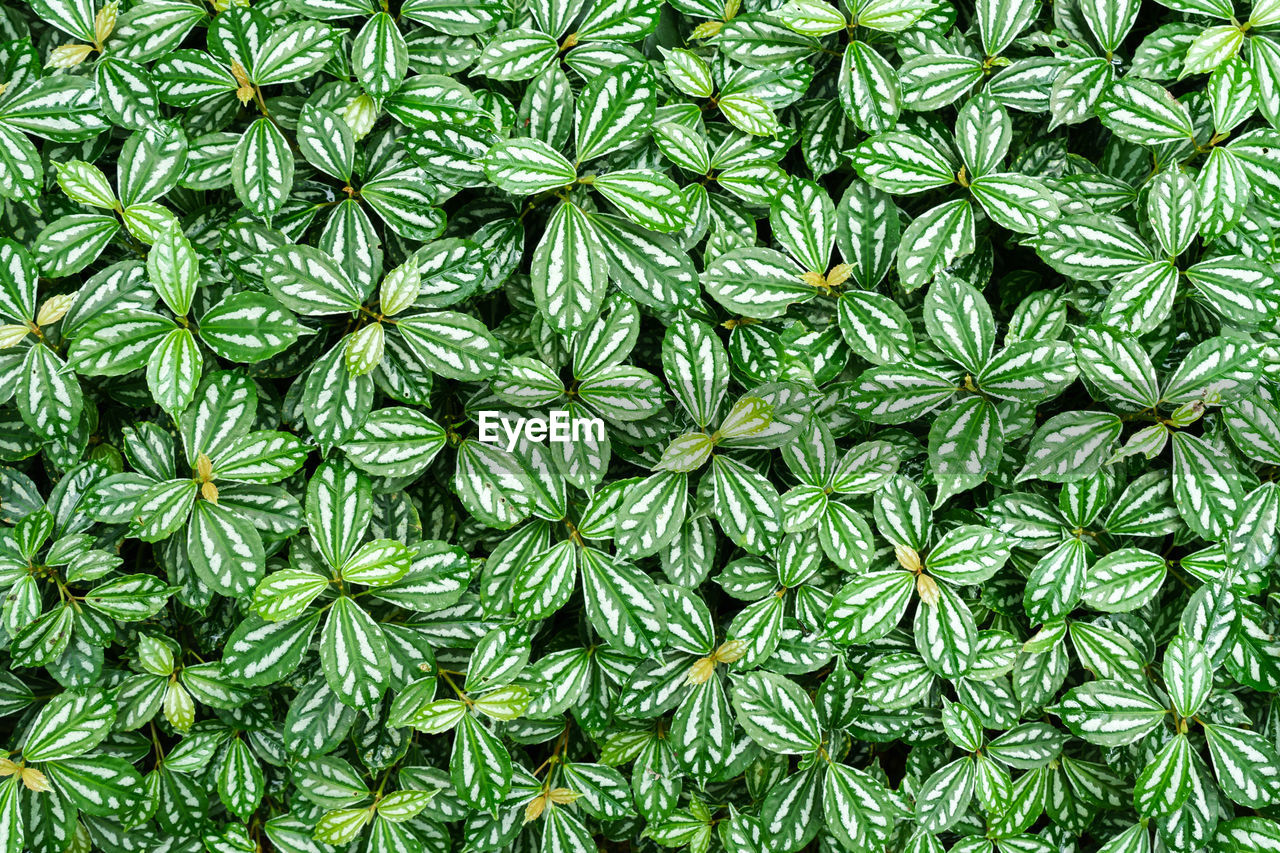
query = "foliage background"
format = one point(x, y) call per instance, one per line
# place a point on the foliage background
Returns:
point(936, 345)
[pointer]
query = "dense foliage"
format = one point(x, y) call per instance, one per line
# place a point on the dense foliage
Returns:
point(935, 346)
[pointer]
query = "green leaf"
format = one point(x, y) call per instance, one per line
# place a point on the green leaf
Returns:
point(945, 632)
point(1091, 248)
point(260, 457)
point(293, 52)
point(285, 594)
point(1212, 48)
point(163, 509)
point(341, 826)
point(395, 442)
point(867, 233)
point(173, 371)
point(1141, 299)
point(1215, 370)
point(696, 367)
point(1164, 785)
point(73, 242)
point(900, 392)
point(131, 598)
point(225, 549)
point(852, 798)
point(749, 114)
point(869, 607)
point(960, 322)
point(965, 445)
point(622, 603)
point(380, 56)
point(869, 90)
point(651, 514)
point(756, 282)
point(945, 795)
point(339, 507)
point(480, 766)
point(492, 484)
point(811, 17)
point(892, 16)
point(73, 17)
point(1017, 202)
point(127, 93)
point(48, 396)
point(701, 730)
point(746, 505)
point(308, 281)
point(1207, 494)
point(1241, 290)
point(1188, 673)
point(453, 17)
point(569, 270)
point(69, 726)
point(61, 108)
point(240, 779)
point(875, 328)
point(98, 785)
point(1110, 713)
point(1254, 425)
point(335, 400)
point(932, 80)
point(85, 183)
point(1245, 764)
point(20, 166)
point(934, 240)
point(1029, 371)
point(18, 290)
point(615, 110)
point(354, 655)
point(249, 327)
point(1144, 112)
point(1111, 21)
point(517, 54)
point(451, 344)
point(648, 267)
point(527, 166)
point(776, 713)
point(1173, 209)
point(262, 169)
point(326, 141)
point(1000, 22)
point(262, 653)
point(377, 563)
point(903, 164)
point(1071, 446)
point(1124, 580)
point(647, 198)
point(968, 554)
point(1117, 365)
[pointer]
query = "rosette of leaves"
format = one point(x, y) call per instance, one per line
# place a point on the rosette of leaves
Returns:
point(934, 346)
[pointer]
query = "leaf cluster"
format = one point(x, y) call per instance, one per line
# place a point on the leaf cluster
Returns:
point(935, 348)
